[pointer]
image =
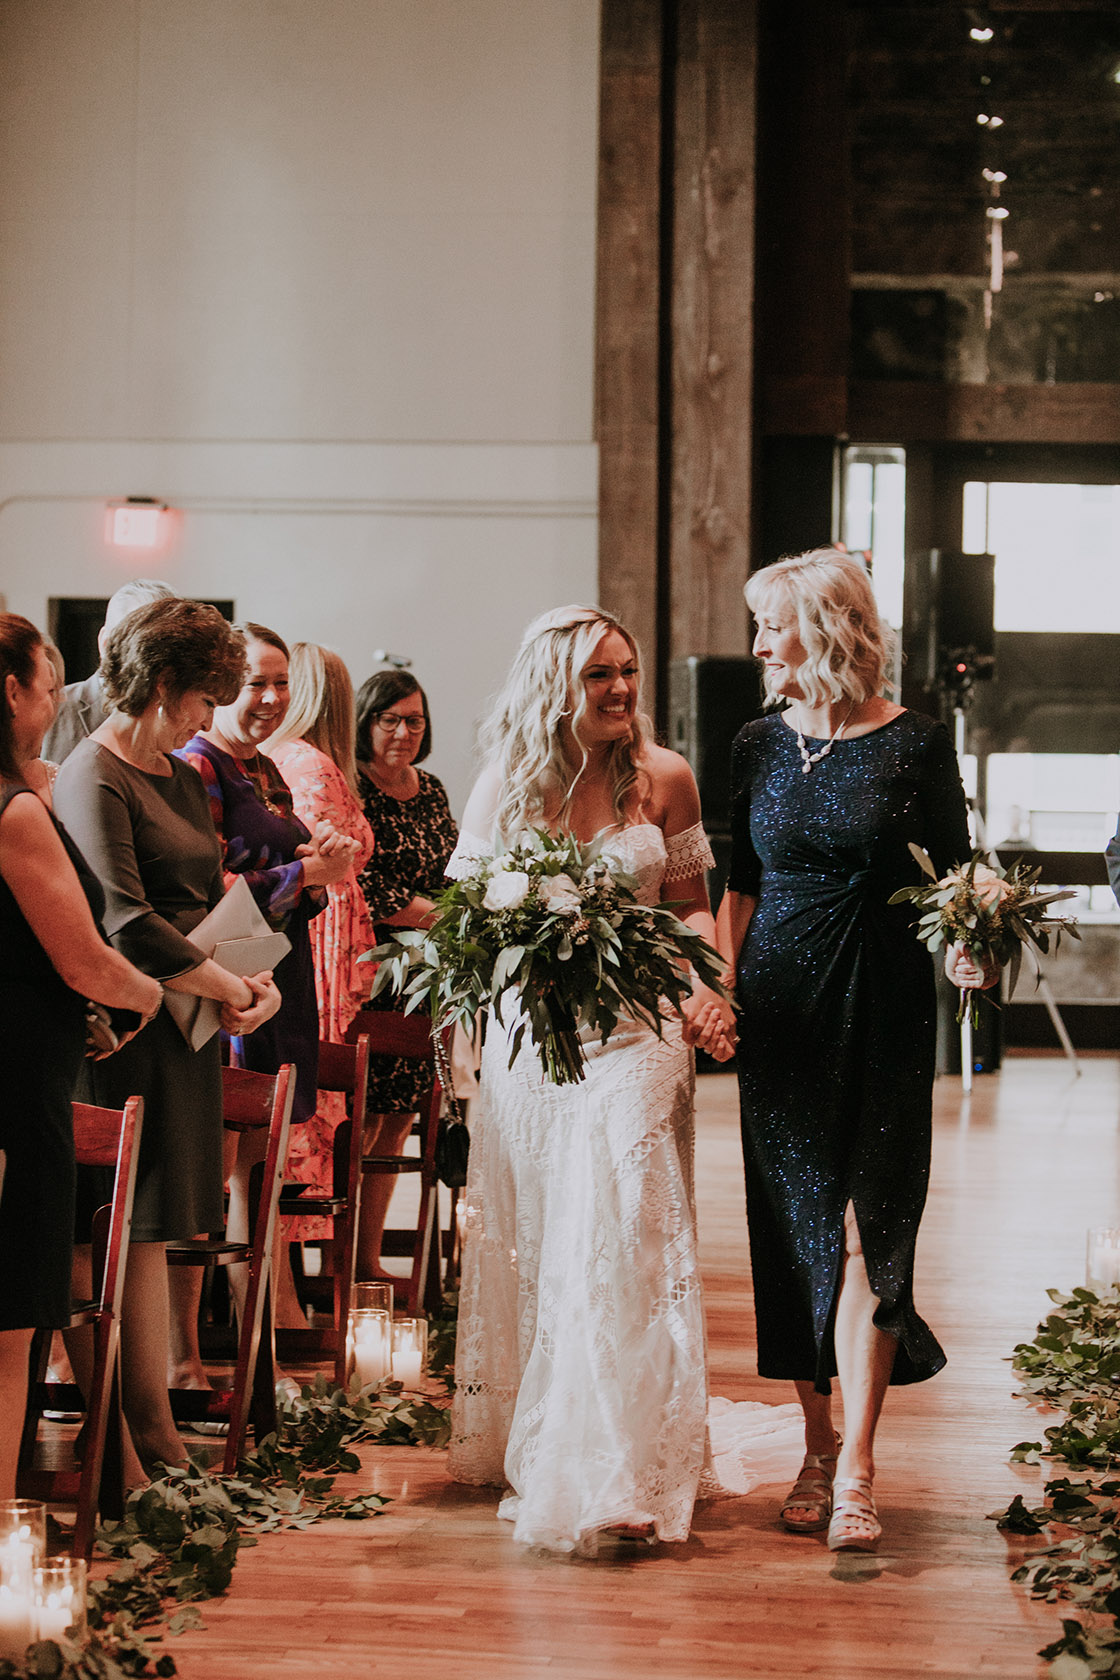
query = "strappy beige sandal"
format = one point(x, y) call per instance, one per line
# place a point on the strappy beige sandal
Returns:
point(811, 1494)
point(855, 1525)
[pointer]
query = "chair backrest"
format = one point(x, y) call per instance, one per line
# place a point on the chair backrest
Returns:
point(248, 1098)
point(392, 1033)
point(110, 1137)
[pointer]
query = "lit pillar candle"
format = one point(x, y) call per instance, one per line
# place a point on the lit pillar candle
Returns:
point(1102, 1264)
point(410, 1337)
point(371, 1333)
point(60, 1599)
point(15, 1617)
point(22, 1543)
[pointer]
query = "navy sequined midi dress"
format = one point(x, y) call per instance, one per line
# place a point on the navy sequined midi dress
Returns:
point(837, 1031)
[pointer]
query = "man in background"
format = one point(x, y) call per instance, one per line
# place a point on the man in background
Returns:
point(82, 707)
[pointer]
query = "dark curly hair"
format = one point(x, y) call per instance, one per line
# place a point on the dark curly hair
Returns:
point(19, 642)
point(183, 644)
point(380, 692)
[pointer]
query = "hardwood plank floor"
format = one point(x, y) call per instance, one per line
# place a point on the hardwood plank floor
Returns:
point(436, 1586)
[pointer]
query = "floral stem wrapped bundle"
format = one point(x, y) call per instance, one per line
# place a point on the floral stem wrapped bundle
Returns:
point(552, 921)
point(991, 911)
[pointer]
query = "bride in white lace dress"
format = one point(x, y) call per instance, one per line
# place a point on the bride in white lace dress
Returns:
point(580, 1377)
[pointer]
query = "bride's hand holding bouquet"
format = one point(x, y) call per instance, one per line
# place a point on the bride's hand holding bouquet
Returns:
point(558, 924)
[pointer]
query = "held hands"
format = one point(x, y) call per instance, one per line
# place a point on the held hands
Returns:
point(328, 857)
point(709, 1023)
point(967, 974)
point(265, 1003)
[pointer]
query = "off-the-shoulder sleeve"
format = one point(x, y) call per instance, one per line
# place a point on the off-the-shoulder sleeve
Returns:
point(687, 854)
point(944, 808)
point(745, 873)
point(469, 851)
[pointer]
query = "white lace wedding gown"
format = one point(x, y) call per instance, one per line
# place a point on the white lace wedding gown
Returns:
point(581, 1374)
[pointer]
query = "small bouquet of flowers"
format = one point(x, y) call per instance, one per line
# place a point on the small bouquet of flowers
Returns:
point(552, 919)
point(989, 910)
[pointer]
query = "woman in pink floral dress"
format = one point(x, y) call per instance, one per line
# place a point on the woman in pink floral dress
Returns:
point(314, 749)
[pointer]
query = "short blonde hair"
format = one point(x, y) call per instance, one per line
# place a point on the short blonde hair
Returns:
point(321, 708)
point(847, 644)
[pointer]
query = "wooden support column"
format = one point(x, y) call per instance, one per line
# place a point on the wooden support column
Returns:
point(674, 339)
point(629, 307)
point(712, 309)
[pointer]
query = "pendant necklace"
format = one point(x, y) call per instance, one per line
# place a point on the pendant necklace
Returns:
point(808, 759)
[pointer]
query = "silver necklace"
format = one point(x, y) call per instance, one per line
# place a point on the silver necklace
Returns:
point(808, 759)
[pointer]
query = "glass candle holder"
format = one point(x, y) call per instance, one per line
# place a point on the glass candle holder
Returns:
point(369, 1345)
point(23, 1542)
point(410, 1347)
point(1102, 1257)
point(60, 1600)
point(372, 1297)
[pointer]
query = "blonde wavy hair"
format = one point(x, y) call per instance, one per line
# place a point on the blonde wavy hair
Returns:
point(523, 734)
point(321, 706)
point(847, 644)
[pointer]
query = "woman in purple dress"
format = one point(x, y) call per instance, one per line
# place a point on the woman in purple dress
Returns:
point(287, 870)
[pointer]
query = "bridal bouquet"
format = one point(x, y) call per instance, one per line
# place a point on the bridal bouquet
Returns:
point(554, 921)
point(989, 910)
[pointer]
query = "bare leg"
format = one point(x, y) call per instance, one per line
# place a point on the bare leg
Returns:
point(144, 1354)
point(287, 1312)
point(864, 1359)
point(385, 1134)
point(184, 1360)
point(15, 1350)
point(820, 1436)
point(79, 1346)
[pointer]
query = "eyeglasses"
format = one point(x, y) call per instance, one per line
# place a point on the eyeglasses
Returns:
point(392, 721)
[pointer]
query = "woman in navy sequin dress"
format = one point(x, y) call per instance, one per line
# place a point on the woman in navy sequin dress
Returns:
point(837, 1016)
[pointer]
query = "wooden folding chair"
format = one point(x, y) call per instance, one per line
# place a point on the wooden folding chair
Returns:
point(392, 1033)
point(249, 1101)
point(345, 1068)
point(103, 1137)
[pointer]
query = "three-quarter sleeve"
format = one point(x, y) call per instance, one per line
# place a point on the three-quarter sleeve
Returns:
point(276, 887)
point(745, 873)
point(944, 809)
point(99, 818)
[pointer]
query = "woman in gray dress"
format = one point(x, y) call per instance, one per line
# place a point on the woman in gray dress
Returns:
point(142, 819)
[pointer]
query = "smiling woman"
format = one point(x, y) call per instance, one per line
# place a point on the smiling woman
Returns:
point(140, 816)
point(597, 1415)
point(287, 869)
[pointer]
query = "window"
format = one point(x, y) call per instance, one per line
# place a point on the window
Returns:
point(1057, 549)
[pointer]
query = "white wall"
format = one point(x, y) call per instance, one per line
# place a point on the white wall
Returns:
point(319, 273)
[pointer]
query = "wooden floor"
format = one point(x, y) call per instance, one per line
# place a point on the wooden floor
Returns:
point(436, 1586)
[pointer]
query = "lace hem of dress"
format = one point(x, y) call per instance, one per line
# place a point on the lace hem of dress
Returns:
point(687, 853)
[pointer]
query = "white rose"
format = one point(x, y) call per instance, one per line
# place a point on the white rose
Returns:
point(559, 893)
point(508, 889)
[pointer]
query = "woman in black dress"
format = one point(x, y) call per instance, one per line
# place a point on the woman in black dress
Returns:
point(414, 835)
point(53, 955)
point(837, 1025)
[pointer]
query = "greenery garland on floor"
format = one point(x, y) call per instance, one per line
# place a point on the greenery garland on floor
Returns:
point(180, 1537)
point(1073, 1365)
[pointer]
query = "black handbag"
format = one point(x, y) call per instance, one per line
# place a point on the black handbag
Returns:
point(453, 1143)
point(453, 1140)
